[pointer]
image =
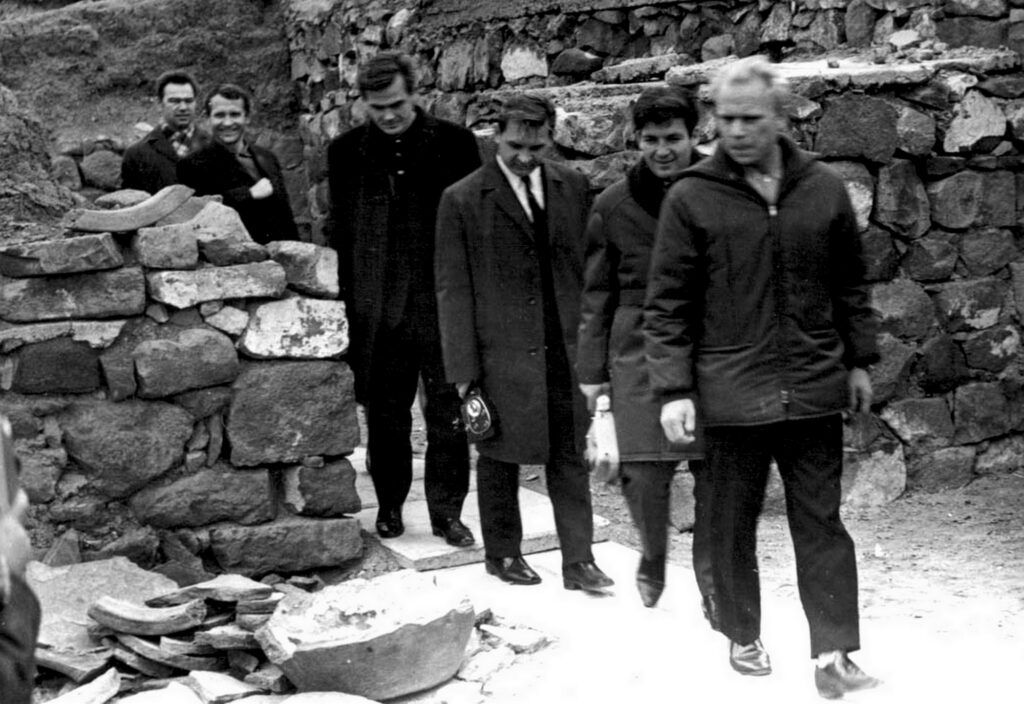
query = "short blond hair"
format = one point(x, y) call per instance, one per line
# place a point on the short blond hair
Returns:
point(753, 69)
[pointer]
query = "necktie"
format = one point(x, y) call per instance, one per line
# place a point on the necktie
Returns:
point(535, 209)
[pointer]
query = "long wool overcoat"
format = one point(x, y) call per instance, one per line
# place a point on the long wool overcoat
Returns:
point(490, 304)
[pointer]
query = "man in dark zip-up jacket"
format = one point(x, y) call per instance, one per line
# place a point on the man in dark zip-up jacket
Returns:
point(757, 319)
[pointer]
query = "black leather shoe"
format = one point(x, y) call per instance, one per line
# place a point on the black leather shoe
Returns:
point(513, 570)
point(840, 677)
point(586, 576)
point(389, 522)
point(751, 659)
point(454, 532)
point(710, 608)
point(650, 581)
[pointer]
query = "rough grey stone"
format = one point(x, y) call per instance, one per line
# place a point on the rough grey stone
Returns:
point(575, 62)
point(858, 127)
point(998, 200)
point(228, 252)
point(916, 131)
point(364, 637)
point(881, 257)
point(860, 187)
point(104, 294)
point(1006, 86)
point(980, 8)
point(605, 170)
point(889, 376)
point(941, 367)
point(904, 308)
point(956, 201)
point(970, 305)
point(455, 66)
point(646, 68)
point(56, 366)
point(94, 333)
point(122, 447)
point(296, 328)
point(982, 410)
point(202, 403)
point(122, 198)
point(284, 411)
point(949, 468)
point(216, 221)
point(195, 358)
point(183, 289)
point(933, 257)
point(166, 248)
point(776, 27)
point(66, 256)
point(901, 202)
point(987, 251)
point(1017, 277)
point(65, 172)
point(1001, 456)
point(308, 268)
point(519, 62)
point(920, 422)
point(601, 38)
point(229, 319)
point(992, 350)
point(139, 545)
point(101, 169)
point(40, 469)
point(322, 491)
point(977, 121)
point(876, 477)
point(219, 494)
point(286, 545)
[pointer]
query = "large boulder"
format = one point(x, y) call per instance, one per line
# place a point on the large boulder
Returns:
point(194, 359)
point(103, 294)
point(286, 545)
point(369, 637)
point(211, 495)
point(65, 256)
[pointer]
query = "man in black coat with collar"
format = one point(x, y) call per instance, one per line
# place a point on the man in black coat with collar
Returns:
point(152, 163)
point(248, 177)
point(386, 178)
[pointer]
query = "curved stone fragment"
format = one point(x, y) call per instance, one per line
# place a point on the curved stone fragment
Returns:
point(160, 204)
point(126, 617)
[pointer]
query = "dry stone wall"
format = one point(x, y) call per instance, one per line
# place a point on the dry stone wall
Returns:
point(177, 393)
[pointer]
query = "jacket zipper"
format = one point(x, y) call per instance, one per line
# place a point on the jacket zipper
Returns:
point(785, 394)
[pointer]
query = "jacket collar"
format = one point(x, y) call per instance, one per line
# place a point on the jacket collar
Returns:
point(647, 189)
point(505, 198)
point(795, 161)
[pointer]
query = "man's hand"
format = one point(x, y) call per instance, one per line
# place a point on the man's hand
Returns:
point(15, 548)
point(592, 391)
point(679, 420)
point(261, 189)
point(462, 387)
point(860, 390)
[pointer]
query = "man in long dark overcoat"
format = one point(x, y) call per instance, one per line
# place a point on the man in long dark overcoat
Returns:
point(509, 262)
point(386, 178)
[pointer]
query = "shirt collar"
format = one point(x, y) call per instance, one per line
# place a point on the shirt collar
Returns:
point(517, 181)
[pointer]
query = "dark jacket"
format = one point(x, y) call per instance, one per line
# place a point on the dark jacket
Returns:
point(760, 310)
point(19, 629)
point(214, 170)
point(490, 304)
point(620, 236)
point(151, 163)
point(385, 236)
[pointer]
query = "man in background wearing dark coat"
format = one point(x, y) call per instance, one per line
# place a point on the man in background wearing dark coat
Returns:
point(248, 177)
point(386, 178)
point(757, 318)
point(509, 266)
point(152, 163)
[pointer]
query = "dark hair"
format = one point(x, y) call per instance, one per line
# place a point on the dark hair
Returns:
point(662, 104)
point(534, 110)
point(379, 71)
point(231, 92)
point(174, 76)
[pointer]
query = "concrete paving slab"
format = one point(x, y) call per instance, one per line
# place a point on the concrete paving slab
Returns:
point(611, 649)
point(419, 549)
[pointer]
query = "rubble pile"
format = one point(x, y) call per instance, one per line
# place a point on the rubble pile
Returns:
point(176, 390)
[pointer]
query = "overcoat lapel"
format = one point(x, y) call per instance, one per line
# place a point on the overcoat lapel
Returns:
point(555, 205)
point(505, 198)
point(162, 144)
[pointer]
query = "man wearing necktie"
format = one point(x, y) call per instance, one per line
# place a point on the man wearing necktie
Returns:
point(509, 261)
point(151, 163)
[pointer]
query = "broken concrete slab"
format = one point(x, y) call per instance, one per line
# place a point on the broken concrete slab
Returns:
point(100, 690)
point(125, 617)
point(66, 593)
point(367, 637)
point(269, 678)
point(173, 693)
point(227, 637)
point(144, 665)
point(179, 646)
point(160, 204)
point(76, 665)
point(65, 256)
point(152, 651)
point(260, 606)
point(226, 587)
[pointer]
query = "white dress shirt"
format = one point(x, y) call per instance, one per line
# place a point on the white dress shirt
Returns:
point(519, 188)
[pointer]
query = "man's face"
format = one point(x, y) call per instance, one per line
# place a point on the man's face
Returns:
point(392, 109)
point(747, 122)
point(521, 145)
point(665, 147)
point(178, 105)
point(228, 119)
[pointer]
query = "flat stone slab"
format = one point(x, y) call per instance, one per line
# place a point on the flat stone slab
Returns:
point(65, 256)
point(226, 587)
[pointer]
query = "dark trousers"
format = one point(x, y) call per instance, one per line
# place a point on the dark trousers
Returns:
point(19, 628)
point(810, 460)
point(568, 482)
point(647, 487)
point(400, 358)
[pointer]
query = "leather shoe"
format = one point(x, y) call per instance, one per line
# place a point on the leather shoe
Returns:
point(586, 576)
point(842, 676)
point(709, 605)
point(749, 659)
point(454, 532)
point(513, 570)
point(389, 522)
point(650, 581)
